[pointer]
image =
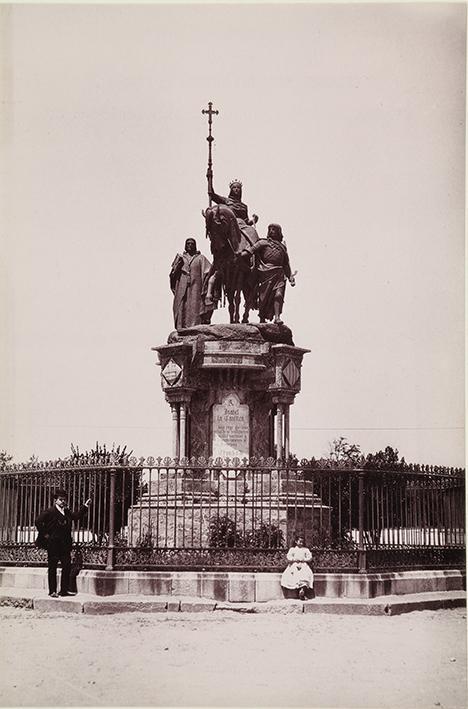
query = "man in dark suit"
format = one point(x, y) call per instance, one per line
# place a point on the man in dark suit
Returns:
point(54, 526)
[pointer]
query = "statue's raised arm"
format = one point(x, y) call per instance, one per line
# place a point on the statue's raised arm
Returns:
point(230, 231)
point(234, 202)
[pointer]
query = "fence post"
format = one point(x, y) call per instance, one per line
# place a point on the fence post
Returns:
point(110, 545)
point(362, 561)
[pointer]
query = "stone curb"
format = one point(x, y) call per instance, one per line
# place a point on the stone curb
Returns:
point(385, 608)
point(435, 605)
point(236, 586)
point(385, 605)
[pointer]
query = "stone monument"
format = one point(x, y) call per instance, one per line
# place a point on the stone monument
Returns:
point(230, 387)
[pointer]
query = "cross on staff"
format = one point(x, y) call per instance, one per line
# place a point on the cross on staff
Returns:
point(209, 174)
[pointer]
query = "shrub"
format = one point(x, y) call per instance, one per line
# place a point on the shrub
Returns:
point(267, 536)
point(146, 540)
point(223, 533)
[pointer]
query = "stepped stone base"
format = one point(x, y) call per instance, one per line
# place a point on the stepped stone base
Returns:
point(238, 587)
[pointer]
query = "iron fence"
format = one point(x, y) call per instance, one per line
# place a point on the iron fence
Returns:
point(232, 514)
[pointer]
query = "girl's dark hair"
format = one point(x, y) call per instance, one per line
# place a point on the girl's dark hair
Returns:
point(297, 536)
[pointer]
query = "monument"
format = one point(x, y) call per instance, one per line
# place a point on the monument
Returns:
point(230, 387)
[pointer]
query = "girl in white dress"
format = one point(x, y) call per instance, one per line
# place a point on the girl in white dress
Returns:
point(298, 574)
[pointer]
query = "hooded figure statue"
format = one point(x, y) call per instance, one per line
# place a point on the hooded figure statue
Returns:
point(188, 273)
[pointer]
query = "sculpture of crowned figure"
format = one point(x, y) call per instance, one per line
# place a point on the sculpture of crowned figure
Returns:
point(242, 263)
point(239, 211)
point(230, 231)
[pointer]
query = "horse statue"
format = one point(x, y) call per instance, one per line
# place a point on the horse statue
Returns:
point(229, 237)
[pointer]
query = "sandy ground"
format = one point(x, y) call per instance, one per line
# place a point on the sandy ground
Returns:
point(228, 659)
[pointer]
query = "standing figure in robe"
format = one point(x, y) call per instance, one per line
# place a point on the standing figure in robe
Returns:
point(188, 274)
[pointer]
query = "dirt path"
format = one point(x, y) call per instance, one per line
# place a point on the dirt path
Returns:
point(227, 659)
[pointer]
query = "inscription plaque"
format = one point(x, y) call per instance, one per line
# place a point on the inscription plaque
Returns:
point(231, 428)
point(244, 355)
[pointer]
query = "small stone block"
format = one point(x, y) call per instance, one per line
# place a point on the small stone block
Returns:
point(82, 584)
point(281, 607)
point(38, 581)
point(196, 606)
point(241, 588)
point(30, 580)
point(7, 580)
point(236, 607)
point(16, 602)
point(357, 586)
point(186, 584)
point(109, 607)
point(429, 605)
point(268, 587)
point(108, 585)
point(215, 586)
point(328, 585)
point(173, 606)
point(57, 605)
point(151, 585)
point(344, 608)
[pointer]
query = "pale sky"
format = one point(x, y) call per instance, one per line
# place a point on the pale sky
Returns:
point(346, 124)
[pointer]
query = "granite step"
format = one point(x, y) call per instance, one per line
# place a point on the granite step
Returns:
point(127, 603)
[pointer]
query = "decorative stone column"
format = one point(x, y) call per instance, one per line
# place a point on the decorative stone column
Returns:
point(175, 430)
point(279, 431)
point(286, 431)
point(183, 430)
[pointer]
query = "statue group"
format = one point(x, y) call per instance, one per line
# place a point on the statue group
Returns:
point(242, 263)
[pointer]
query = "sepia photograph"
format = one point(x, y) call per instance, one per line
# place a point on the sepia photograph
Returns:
point(232, 361)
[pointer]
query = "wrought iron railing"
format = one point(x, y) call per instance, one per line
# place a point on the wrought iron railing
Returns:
point(232, 514)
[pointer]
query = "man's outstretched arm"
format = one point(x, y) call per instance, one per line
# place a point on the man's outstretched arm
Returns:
point(79, 514)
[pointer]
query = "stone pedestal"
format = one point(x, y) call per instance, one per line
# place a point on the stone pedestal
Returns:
point(230, 388)
point(181, 504)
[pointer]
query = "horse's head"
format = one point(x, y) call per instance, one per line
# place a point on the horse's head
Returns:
point(217, 219)
point(217, 226)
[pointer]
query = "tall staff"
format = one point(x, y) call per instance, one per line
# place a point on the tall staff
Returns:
point(209, 173)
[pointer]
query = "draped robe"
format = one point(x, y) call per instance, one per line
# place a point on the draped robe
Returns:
point(188, 273)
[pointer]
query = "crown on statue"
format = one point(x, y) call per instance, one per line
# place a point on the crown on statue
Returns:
point(235, 181)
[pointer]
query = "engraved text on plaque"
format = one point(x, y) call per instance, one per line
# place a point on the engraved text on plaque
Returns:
point(231, 429)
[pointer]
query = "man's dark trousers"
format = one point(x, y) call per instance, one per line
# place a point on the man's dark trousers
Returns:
point(58, 552)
